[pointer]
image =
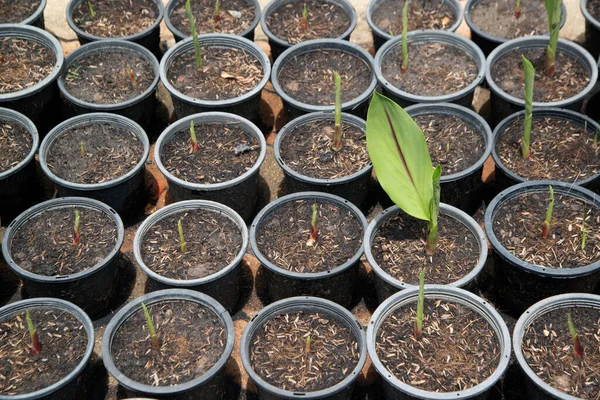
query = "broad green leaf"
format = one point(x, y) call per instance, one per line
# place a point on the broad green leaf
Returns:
point(529, 76)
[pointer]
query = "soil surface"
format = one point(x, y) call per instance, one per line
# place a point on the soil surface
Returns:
point(568, 79)
point(226, 73)
point(559, 149)
point(109, 77)
point(283, 234)
point(235, 16)
point(44, 245)
point(434, 69)
point(115, 18)
point(399, 249)
point(453, 143)
point(108, 153)
point(63, 340)
point(519, 221)
point(307, 150)
point(421, 15)
point(225, 151)
point(212, 240)
point(324, 20)
point(457, 350)
point(593, 7)
point(548, 349)
point(304, 352)
point(15, 144)
point(308, 77)
point(23, 63)
point(191, 337)
point(15, 11)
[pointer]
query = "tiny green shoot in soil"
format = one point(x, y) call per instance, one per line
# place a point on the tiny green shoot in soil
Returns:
point(529, 77)
point(195, 146)
point(192, 22)
point(518, 9)
point(304, 17)
point(577, 349)
point(420, 305)
point(73, 74)
point(132, 77)
point(314, 233)
point(217, 10)
point(182, 242)
point(76, 232)
point(404, 40)
point(337, 132)
point(36, 346)
point(82, 150)
point(554, 14)
point(91, 8)
point(153, 335)
point(595, 135)
point(548, 220)
point(307, 348)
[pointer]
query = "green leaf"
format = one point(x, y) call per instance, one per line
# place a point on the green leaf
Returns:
point(529, 75)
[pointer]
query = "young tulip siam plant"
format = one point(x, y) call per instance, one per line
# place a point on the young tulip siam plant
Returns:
point(529, 77)
point(36, 346)
point(420, 305)
point(182, 242)
point(76, 232)
point(518, 9)
point(577, 349)
point(399, 153)
point(304, 18)
point(150, 324)
point(404, 40)
point(314, 233)
point(548, 220)
point(337, 132)
point(217, 10)
point(192, 22)
point(195, 146)
point(91, 8)
point(554, 13)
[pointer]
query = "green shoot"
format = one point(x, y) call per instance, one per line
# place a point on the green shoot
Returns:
point(307, 344)
point(150, 325)
point(304, 18)
point(92, 12)
point(404, 40)
point(518, 9)
point(432, 225)
point(420, 305)
point(76, 232)
point(216, 16)
point(132, 77)
point(529, 76)
point(82, 150)
point(192, 22)
point(448, 147)
point(546, 227)
point(195, 146)
point(36, 346)
point(575, 336)
point(73, 74)
point(337, 133)
point(554, 13)
point(182, 242)
point(314, 233)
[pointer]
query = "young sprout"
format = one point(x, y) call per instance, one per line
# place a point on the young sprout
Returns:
point(36, 346)
point(529, 76)
point(307, 344)
point(182, 242)
point(82, 150)
point(92, 12)
point(216, 16)
point(448, 147)
point(546, 227)
point(314, 233)
point(76, 233)
point(337, 133)
point(150, 325)
point(192, 22)
point(73, 74)
point(554, 13)
point(575, 336)
point(132, 77)
point(404, 41)
point(193, 136)
point(304, 17)
point(518, 9)
point(420, 305)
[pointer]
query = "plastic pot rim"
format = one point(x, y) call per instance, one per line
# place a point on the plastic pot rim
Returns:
point(308, 118)
point(36, 14)
point(157, 297)
point(32, 33)
point(7, 114)
point(310, 46)
point(209, 117)
point(177, 208)
point(457, 295)
point(560, 188)
point(325, 197)
point(587, 15)
point(328, 307)
point(61, 202)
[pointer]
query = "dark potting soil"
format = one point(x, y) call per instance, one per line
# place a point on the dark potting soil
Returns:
point(453, 143)
point(434, 69)
point(225, 152)
point(63, 341)
point(421, 15)
point(115, 18)
point(15, 11)
point(399, 249)
point(593, 7)
point(497, 18)
point(15, 144)
point(191, 338)
point(308, 77)
point(213, 241)
point(568, 79)
point(559, 149)
point(518, 225)
point(283, 234)
point(307, 150)
point(226, 73)
point(458, 349)
point(324, 20)
point(108, 153)
point(304, 352)
point(23, 63)
point(109, 77)
point(235, 16)
point(548, 350)
point(44, 244)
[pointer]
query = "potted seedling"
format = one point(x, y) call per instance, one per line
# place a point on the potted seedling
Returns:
point(30, 13)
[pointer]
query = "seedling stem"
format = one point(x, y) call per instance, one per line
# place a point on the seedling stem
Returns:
point(420, 305)
point(36, 346)
point(575, 336)
point(314, 233)
point(192, 22)
point(82, 150)
point(150, 325)
point(518, 9)
point(404, 40)
point(92, 12)
point(337, 133)
point(76, 233)
point(182, 242)
point(553, 11)
point(307, 344)
point(432, 224)
point(529, 77)
point(548, 220)
point(193, 136)
point(216, 16)
point(132, 77)
point(304, 17)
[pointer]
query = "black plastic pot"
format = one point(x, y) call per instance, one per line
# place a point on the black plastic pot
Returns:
point(148, 38)
point(462, 97)
point(537, 389)
point(124, 194)
point(353, 187)
point(592, 30)
point(506, 178)
point(223, 286)
point(485, 41)
point(520, 284)
point(240, 193)
point(393, 388)
point(74, 385)
point(380, 36)
point(336, 284)
point(246, 105)
point(40, 101)
point(91, 289)
point(592, 103)
point(357, 106)
point(278, 45)
point(17, 185)
point(503, 104)
point(341, 390)
point(179, 36)
point(209, 386)
point(37, 18)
